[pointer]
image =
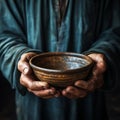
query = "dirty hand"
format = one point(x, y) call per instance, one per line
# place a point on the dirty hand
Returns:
point(81, 87)
point(28, 80)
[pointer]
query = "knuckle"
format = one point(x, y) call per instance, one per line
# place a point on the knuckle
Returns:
point(37, 94)
point(70, 88)
point(23, 55)
point(102, 66)
point(31, 86)
point(22, 81)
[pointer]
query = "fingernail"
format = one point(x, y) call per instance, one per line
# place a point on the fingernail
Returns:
point(25, 70)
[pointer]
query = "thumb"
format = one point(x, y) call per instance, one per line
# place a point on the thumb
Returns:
point(23, 64)
point(25, 70)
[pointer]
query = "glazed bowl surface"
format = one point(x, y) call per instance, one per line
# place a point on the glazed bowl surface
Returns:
point(61, 69)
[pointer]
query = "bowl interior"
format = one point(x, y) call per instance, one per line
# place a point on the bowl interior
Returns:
point(60, 61)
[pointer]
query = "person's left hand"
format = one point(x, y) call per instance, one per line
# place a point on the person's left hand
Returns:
point(81, 87)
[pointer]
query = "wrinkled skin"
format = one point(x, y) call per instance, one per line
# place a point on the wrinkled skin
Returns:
point(80, 89)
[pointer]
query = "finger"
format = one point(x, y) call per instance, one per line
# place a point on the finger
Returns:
point(23, 63)
point(24, 67)
point(99, 59)
point(48, 93)
point(97, 77)
point(73, 92)
point(99, 81)
point(32, 84)
point(98, 70)
point(101, 66)
point(88, 86)
point(27, 56)
point(94, 83)
point(81, 84)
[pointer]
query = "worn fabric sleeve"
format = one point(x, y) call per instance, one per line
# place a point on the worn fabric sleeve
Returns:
point(108, 43)
point(12, 40)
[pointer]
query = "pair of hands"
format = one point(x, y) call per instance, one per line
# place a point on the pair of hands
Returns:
point(80, 89)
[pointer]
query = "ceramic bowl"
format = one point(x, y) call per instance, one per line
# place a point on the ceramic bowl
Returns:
point(61, 69)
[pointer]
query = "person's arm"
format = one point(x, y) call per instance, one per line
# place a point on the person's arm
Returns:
point(15, 52)
point(13, 40)
point(105, 52)
point(108, 42)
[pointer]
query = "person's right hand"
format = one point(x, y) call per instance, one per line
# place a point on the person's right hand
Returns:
point(28, 79)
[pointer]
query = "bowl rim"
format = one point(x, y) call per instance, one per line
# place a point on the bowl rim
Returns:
point(89, 65)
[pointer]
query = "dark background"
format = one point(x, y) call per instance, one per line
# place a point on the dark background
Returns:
point(7, 100)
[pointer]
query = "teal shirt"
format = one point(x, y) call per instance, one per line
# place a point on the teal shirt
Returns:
point(87, 26)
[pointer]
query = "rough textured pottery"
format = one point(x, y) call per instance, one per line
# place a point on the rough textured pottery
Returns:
point(61, 69)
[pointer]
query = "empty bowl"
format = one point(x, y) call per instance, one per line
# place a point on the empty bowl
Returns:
point(61, 69)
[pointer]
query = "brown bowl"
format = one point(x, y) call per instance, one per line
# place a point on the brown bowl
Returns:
point(61, 69)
